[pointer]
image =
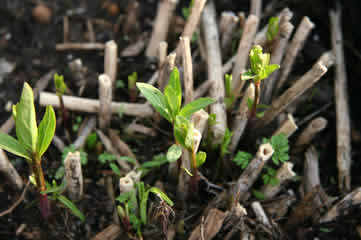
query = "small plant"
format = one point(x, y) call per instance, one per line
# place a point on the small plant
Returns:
point(273, 28)
point(132, 80)
point(77, 123)
point(133, 210)
point(242, 159)
point(169, 106)
point(55, 191)
point(230, 98)
point(60, 88)
point(280, 146)
point(260, 69)
point(108, 158)
point(32, 140)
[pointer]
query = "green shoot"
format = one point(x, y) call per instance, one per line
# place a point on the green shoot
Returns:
point(260, 69)
point(168, 104)
point(60, 88)
point(132, 80)
point(229, 99)
point(273, 28)
point(134, 206)
point(32, 140)
point(280, 146)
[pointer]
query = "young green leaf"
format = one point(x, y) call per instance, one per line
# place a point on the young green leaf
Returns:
point(258, 194)
point(132, 79)
point(200, 158)
point(124, 197)
point(156, 98)
point(10, 144)
point(60, 85)
point(174, 153)
point(173, 92)
point(115, 169)
point(226, 141)
point(273, 28)
point(248, 75)
point(161, 195)
point(271, 68)
point(46, 131)
point(157, 161)
point(73, 209)
point(26, 127)
point(194, 106)
point(242, 159)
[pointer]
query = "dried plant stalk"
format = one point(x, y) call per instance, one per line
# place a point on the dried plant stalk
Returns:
point(311, 177)
point(256, 8)
point(251, 173)
point(306, 136)
point(284, 173)
point(203, 88)
point(297, 89)
point(210, 226)
point(92, 106)
point(240, 121)
point(111, 60)
point(110, 233)
point(188, 70)
point(343, 207)
point(84, 133)
point(79, 46)
point(9, 172)
point(121, 146)
point(288, 127)
point(215, 76)
point(227, 26)
point(73, 176)
point(279, 207)
point(261, 36)
point(260, 214)
point(279, 49)
point(161, 25)
point(294, 48)
point(109, 147)
point(105, 100)
point(343, 124)
point(165, 70)
point(192, 22)
point(245, 44)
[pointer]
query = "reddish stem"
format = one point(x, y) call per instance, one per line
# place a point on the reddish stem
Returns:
point(40, 183)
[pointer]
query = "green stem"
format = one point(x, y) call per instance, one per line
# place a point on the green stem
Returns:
point(39, 175)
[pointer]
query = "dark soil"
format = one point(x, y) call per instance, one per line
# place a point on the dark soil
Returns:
point(30, 45)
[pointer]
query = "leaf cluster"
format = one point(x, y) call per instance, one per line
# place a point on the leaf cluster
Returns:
point(60, 85)
point(134, 204)
point(280, 146)
point(260, 67)
point(273, 28)
point(32, 140)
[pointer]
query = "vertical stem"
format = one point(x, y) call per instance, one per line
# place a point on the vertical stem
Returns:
point(39, 176)
point(195, 177)
point(40, 183)
point(256, 99)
